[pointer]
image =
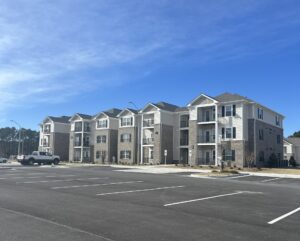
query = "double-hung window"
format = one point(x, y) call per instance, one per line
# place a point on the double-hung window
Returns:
point(260, 113)
point(126, 137)
point(261, 134)
point(126, 121)
point(102, 123)
point(228, 110)
point(125, 154)
point(101, 139)
point(229, 133)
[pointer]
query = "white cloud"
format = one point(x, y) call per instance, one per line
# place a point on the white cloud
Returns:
point(46, 47)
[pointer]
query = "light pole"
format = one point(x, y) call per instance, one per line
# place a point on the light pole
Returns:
point(19, 141)
point(132, 103)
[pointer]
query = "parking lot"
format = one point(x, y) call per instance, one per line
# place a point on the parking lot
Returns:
point(102, 203)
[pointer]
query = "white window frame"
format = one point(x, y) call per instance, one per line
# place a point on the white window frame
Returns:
point(102, 121)
point(231, 110)
point(125, 155)
point(128, 123)
point(127, 139)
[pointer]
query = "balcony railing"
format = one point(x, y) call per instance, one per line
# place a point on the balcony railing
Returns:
point(184, 123)
point(47, 131)
point(206, 139)
point(77, 143)
point(78, 128)
point(148, 141)
point(148, 123)
point(46, 144)
point(87, 129)
point(184, 142)
point(206, 118)
point(205, 161)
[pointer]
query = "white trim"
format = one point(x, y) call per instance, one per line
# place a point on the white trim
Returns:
point(198, 97)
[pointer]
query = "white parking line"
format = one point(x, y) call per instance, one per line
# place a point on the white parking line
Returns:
point(284, 216)
point(212, 197)
point(63, 180)
point(96, 185)
point(273, 179)
point(241, 176)
point(141, 190)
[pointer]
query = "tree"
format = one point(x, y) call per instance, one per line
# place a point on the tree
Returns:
point(296, 134)
point(292, 162)
point(273, 161)
point(9, 138)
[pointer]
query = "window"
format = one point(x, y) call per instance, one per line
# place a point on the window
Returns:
point(100, 154)
point(228, 133)
point(101, 139)
point(228, 155)
point(260, 113)
point(228, 110)
point(125, 154)
point(126, 137)
point(285, 150)
point(261, 134)
point(278, 139)
point(277, 121)
point(102, 123)
point(78, 126)
point(126, 121)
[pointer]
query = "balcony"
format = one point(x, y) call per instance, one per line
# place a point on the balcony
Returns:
point(148, 123)
point(78, 129)
point(87, 129)
point(86, 143)
point(77, 143)
point(202, 119)
point(46, 144)
point(184, 123)
point(184, 141)
point(148, 141)
point(206, 139)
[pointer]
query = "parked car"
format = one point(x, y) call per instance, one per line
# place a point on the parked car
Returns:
point(39, 157)
point(3, 160)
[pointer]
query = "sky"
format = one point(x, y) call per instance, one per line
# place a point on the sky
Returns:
point(61, 57)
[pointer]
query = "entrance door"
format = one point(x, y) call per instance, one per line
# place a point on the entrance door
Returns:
point(207, 115)
point(207, 136)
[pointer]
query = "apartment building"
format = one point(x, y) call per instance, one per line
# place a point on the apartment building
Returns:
point(234, 129)
point(106, 136)
point(129, 136)
point(54, 136)
point(209, 130)
point(81, 135)
point(157, 134)
point(291, 148)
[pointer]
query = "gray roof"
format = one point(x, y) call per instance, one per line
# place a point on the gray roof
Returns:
point(182, 109)
point(61, 119)
point(166, 106)
point(133, 110)
point(112, 112)
point(228, 97)
point(84, 116)
point(294, 140)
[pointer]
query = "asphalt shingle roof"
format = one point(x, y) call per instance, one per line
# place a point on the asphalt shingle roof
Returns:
point(61, 119)
point(227, 97)
point(294, 140)
point(166, 106)
point(112, 112)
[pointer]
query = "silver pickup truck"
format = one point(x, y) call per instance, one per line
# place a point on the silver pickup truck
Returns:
point(38, 157)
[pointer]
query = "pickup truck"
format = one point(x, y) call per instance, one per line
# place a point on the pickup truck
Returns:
point(39, 157)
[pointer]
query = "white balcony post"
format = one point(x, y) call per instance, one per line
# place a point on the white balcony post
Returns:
point(216, 135)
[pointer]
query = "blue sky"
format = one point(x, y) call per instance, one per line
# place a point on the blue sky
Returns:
point(65, 56)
